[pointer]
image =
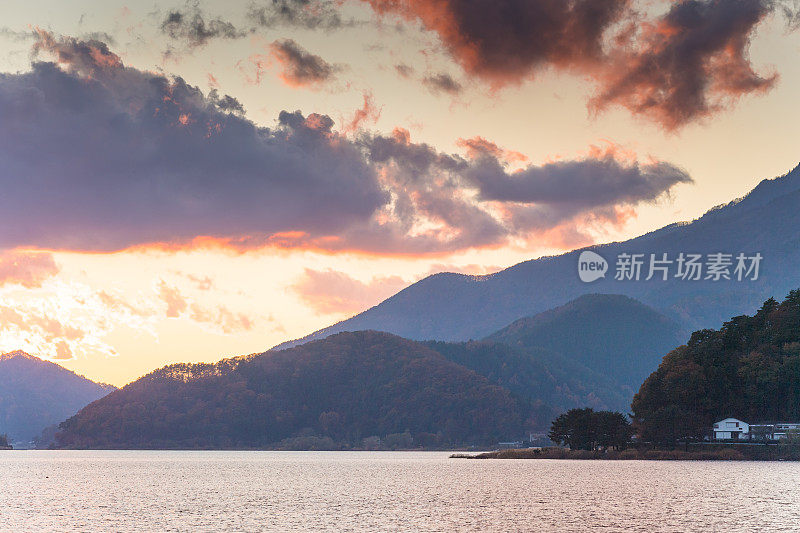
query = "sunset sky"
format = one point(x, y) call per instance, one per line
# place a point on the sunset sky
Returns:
point(190, 180)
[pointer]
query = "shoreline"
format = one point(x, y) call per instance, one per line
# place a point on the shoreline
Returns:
point(721, 452)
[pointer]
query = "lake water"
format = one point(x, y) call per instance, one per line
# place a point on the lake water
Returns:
point(386, 491)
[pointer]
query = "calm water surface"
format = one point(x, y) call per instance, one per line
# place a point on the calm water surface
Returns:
point(386, 491)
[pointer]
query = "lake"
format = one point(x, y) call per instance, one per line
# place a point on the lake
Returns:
point(386, 491)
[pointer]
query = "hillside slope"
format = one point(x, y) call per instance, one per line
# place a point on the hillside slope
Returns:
point(329, 393)
point(35, 394)
point(545, 378)
point(455, 307)
point(613, 335)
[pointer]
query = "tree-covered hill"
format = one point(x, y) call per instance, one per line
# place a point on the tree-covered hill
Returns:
point(748, 369)
point(613, 335)
point(330, 393)
point(541, 376)
point(35, 394)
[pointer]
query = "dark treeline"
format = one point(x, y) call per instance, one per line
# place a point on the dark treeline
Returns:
point(587, 429)
point(748, 369)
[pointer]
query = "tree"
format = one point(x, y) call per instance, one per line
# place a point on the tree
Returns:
point(587, 429)
point(4, 441)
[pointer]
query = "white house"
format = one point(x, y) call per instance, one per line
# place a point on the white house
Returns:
point(731, 429)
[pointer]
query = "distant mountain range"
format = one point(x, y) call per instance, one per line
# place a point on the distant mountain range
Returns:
point(456, 307)
point(335, 392)
point(35, 394)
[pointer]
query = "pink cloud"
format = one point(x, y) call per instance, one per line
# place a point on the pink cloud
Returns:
point(333, 292)
point(28, 269)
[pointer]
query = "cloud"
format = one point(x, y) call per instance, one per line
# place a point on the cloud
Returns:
point(442, 83)
point(220, 318)
point(443, 201)
point(217, 318)
point(100, 156)
point(368, 112)
point(176, 303)
point(203, 283)
point(508, 40)
point(333, 292)
point(191, 27)
point(690, 63)
point(67, 320)
point(300, 68)
point(305, 14)
point(405, 71)
point(674, 69)
point(28, 269)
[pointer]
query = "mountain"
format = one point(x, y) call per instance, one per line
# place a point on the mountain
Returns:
point(614, 335)
point(332, 393)
point(545, 378)
point(35, 394)
point(456, 307)
point(749, 369)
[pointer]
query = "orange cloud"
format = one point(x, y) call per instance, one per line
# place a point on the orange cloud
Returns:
point(300, 68)
point(687, 65)
point(28, 269)
point(176, 303)
point(368, 112)
point(332, 292)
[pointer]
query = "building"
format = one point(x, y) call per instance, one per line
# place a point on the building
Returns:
point(735, 429)
point(772, 430)
point(731, 429)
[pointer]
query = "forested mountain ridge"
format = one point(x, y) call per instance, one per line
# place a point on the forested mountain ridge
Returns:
point(748, 369)
point(543, 377)
point(35, 394)
point(332, 393)
point(613, 335)
point(456, 307)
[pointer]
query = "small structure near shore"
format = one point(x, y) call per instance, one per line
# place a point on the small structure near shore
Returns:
point(738, 430)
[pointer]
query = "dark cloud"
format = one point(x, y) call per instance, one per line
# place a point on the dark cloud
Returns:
point(100, 156)
point(503, 41)
point(226, 102)
point(192, 27)
point(442, 83)
point(300, 68)
point(564, 195)
point(307, 14)
point(689, 64)
point(580, 184)
point(682, 66)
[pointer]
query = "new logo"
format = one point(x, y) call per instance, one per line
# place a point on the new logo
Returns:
point(591, 266)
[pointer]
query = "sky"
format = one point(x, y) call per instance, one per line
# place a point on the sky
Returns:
point(184, 181)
